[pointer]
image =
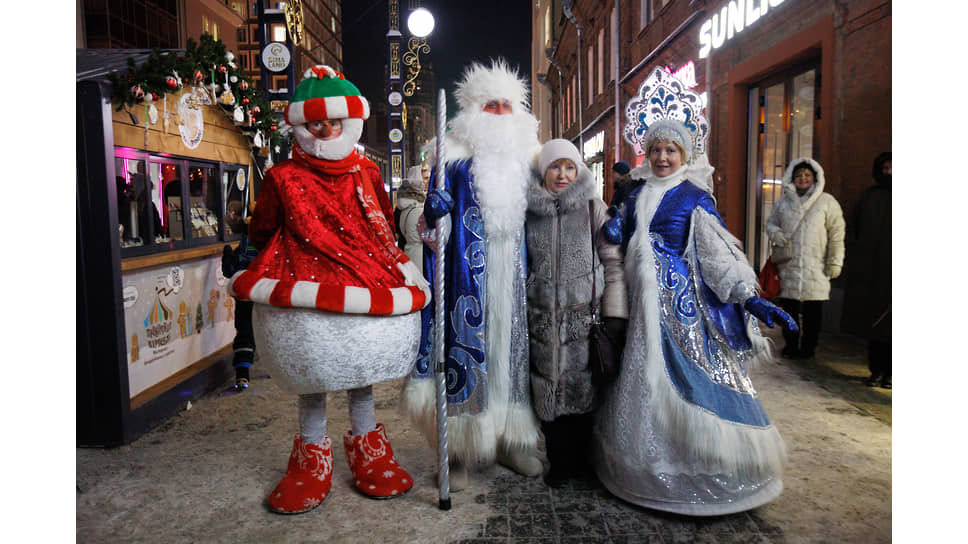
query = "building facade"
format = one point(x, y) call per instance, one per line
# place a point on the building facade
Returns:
point(783, 79)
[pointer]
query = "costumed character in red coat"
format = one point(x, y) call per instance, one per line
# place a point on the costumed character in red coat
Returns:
point(337, 303)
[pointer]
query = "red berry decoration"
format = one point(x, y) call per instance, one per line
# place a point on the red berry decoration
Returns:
point(256, 110)
point(171, 83)
point(243, 85)
point(222, 69)
point(137, 92)
point(272, 127)
point(154, 96)
point(198, 75)
point(245, 100)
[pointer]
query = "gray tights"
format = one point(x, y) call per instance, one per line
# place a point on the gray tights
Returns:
point(312, 414)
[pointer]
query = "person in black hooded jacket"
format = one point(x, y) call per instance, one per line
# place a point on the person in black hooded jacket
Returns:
point(867, 298)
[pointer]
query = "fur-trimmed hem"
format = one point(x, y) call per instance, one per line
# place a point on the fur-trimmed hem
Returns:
point(716, 444)
point(472, 439)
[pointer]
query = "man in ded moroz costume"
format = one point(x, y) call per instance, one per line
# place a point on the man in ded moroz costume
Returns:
point(488, 149)
point(682, 429)
point(336, 301)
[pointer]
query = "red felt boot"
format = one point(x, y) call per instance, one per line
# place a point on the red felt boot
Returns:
point(307, 480)
point(375, 471)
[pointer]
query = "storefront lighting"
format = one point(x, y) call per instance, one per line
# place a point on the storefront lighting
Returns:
point(736, 16)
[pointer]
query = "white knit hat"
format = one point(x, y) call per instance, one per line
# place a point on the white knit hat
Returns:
point(558, 148)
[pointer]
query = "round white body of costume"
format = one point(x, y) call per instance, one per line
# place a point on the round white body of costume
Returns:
point(312, 351)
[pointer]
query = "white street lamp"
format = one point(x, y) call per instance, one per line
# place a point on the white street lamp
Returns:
point(420, 22)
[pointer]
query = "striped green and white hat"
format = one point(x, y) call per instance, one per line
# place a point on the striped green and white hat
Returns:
point(324, 94)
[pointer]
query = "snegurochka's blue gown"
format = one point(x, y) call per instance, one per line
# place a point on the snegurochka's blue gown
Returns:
point(682, 429)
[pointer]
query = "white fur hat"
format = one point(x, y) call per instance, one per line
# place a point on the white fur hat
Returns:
point(481, 84)
point(556, 149)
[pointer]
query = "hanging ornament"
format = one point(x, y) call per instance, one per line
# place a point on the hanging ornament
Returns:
point(191, 125)
point(155, 97)
point(273, 127)
point(243, 85)
point(149, 97)
point(137, 92)
point(257, 139)
point(222, 69)
point(198, 75)
point(256, 110)
point(165, 115)
point(234, 79)
point(245, 100)
point(227, 99)
point(153, 114)
point(171, 83)
point(238, 115)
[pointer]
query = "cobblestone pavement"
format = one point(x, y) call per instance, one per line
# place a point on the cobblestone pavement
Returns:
point(530, 512)
point(204, 475)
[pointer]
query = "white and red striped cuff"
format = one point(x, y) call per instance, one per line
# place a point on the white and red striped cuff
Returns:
point(331, 107)
point(247, 285)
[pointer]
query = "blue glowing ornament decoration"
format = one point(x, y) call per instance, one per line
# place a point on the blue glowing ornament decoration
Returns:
point(664, 108)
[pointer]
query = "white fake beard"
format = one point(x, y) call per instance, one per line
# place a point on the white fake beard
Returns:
point(334, 149)
point(503, 148)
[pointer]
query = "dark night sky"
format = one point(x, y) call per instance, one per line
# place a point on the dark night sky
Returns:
point(464, 31)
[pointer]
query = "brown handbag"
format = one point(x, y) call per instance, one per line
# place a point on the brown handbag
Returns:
point(604, 358)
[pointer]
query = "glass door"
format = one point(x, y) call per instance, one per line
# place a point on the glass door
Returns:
point(783, 111)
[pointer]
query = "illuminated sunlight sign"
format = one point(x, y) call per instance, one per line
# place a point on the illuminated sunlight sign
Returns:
point(731, 20)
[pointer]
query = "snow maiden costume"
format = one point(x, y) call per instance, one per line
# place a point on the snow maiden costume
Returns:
point(336, 301)
point(487, 164)
point(682, 430)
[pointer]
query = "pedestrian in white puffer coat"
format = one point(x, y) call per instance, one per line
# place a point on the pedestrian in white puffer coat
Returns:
point(809, 222)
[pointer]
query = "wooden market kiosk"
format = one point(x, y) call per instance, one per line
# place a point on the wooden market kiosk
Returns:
point(156, 203)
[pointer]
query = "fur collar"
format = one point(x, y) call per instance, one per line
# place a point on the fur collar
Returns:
point(409, 191)
point(542, 202)
point(812, 194)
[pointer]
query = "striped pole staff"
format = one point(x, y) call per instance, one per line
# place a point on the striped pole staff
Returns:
point(443, 228)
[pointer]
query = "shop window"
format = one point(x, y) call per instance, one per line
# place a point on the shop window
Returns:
point(167, 197)
point(235, 186)
point(204, 212)
point(138, 216)
point(166, 203)
point(593, 153)
point(783, 111)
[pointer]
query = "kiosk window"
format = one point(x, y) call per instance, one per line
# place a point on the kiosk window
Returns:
point(205, 214)
point(167, 196)
point(138, 217)
point(166, 202)
point(235, 187)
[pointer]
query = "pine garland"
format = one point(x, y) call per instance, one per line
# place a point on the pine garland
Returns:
point(204, 64)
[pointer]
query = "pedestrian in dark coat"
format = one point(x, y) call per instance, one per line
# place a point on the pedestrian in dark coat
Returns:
point(563, 211)
point(867, 299)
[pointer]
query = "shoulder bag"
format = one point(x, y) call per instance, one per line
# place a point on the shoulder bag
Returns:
point(603, 355)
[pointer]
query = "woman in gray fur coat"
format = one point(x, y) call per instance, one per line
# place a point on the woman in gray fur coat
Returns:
point(563, 211)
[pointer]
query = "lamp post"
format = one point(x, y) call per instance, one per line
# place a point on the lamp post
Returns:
point(420, 23)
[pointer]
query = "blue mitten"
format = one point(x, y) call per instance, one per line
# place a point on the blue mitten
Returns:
point(613, 228)
point(438, 204)
point(766, 311)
